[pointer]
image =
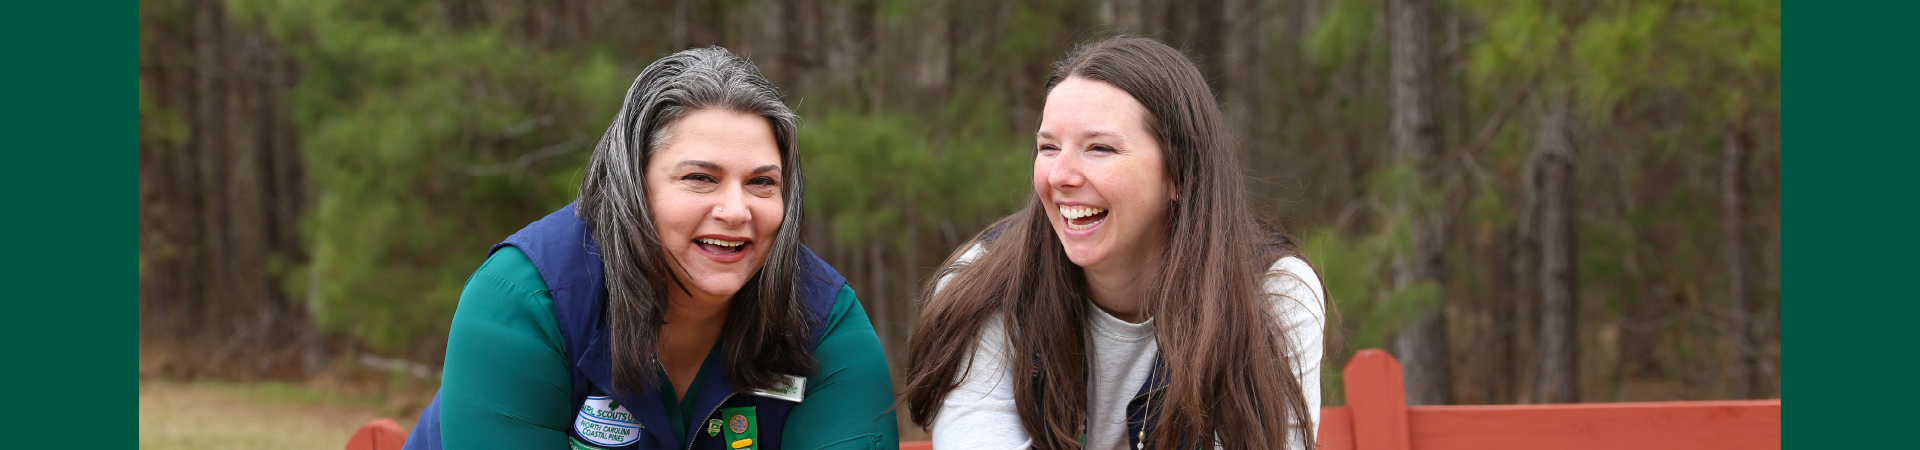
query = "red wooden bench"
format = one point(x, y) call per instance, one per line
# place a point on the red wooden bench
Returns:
point(1377, 418)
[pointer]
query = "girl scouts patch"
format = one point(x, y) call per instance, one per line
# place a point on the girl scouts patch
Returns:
point(604, 422)
point(738, 423)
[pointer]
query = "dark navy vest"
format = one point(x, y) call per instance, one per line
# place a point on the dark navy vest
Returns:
point(564, 252)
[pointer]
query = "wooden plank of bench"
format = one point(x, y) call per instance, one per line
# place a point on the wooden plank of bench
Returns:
point(1741, 424)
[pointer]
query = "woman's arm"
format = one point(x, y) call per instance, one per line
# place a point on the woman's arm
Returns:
point(847, 406)
point(1302, 312)
point(506, 383)
point(980, 412)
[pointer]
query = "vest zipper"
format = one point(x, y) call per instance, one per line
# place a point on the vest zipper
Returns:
point(709, 416)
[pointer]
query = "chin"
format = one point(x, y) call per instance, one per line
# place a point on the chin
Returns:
point(1083, 257)
point(718, 285)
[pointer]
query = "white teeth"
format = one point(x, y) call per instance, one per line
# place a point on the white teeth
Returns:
point(1075, 212)
point(721, 243)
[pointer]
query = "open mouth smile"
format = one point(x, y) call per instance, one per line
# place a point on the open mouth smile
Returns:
point(1082, 218)
point(721, 247)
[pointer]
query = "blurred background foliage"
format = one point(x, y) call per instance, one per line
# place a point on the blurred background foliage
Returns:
point(318, 178)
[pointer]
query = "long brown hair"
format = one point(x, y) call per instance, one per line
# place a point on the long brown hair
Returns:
point(1225, 354)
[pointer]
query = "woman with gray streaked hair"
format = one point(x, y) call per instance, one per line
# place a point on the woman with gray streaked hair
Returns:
point(672, 306)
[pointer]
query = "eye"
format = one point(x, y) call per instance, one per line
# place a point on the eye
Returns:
point(763, 181)
point(1047, 148)
point(699, 177)
point(1102, 149)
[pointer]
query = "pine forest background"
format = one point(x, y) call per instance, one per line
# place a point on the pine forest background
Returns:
point(1524, 201)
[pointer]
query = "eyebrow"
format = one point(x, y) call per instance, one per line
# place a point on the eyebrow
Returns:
point(1095, 133)
point(697, 163)
point(709, 165)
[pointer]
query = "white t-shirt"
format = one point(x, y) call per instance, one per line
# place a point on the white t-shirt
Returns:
point(980, 412)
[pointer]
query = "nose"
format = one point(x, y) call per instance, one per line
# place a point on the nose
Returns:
point(1063, 172)
point(732, 208)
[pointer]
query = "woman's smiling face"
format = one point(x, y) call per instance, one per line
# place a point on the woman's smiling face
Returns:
point(714, 192)
point(1101, 176)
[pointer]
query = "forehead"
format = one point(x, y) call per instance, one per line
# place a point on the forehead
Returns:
point(721, 137)
point(1079, 106)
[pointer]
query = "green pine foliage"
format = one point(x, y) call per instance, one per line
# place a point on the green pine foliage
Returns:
point(425, 143)
point(879, 174)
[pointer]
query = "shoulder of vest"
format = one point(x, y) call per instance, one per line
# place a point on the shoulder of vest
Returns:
point(818, 288)
point(560, 247)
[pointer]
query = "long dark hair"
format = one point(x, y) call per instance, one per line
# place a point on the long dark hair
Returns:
point(767, 329)
point(1225, 354)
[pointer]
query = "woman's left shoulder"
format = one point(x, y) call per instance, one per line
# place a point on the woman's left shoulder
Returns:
point(1296, 284)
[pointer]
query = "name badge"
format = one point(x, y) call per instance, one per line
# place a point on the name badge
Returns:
point(792, 390)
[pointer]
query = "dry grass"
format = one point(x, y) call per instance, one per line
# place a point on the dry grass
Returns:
point(215, 415)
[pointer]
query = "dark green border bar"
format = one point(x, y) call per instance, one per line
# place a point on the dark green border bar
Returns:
point(71, 188)
point(1849, 158)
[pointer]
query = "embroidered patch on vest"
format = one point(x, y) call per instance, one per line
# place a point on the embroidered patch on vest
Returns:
point(603, 421)
point(793, 390)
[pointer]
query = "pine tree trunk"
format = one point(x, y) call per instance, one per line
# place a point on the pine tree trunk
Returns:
point(220, 206)
point(1557, 350)
point(1423, 346)
point(1733, 195)
point(879, 307)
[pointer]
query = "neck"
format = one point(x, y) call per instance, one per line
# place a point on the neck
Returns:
point(692, 327)
point(1113, 291)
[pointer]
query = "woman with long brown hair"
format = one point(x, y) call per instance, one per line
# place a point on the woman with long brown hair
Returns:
point(1136, 301)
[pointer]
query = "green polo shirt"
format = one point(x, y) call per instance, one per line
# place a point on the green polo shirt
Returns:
point(506, 382)
point(680, 412)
